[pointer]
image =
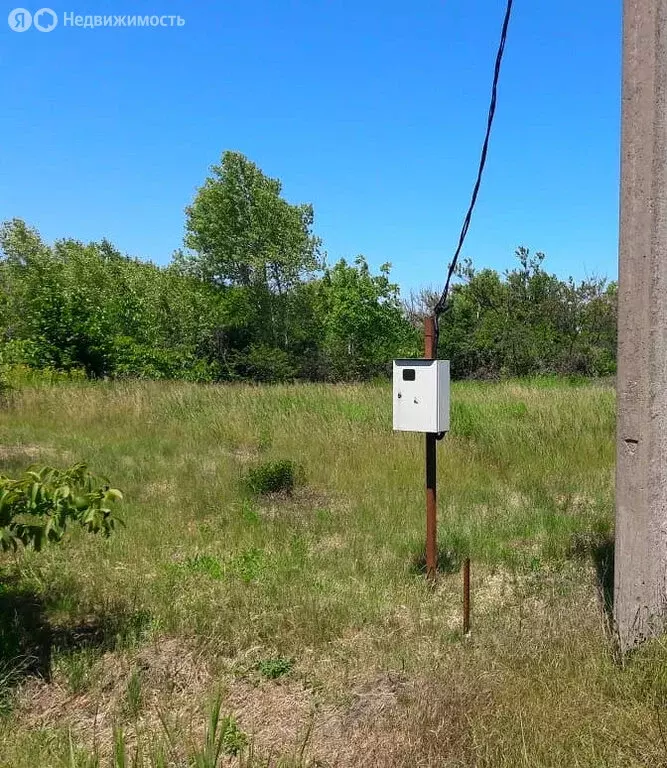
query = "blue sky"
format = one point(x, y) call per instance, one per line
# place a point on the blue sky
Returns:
point(373, 111)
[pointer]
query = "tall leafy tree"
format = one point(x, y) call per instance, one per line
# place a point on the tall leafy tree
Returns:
point(244, 233)
point(364, 326)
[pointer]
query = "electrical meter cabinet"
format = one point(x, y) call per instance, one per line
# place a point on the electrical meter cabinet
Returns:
point(421, 395)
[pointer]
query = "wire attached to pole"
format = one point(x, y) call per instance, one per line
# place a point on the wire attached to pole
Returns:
point(441, 306)
point(432, 337)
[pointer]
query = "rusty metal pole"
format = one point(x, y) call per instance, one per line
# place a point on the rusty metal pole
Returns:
point(466, 596)
point(430, 353)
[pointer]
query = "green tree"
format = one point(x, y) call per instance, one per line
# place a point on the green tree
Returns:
point(363, 322)
point(266, 315)
point(244, 233)
point(527, 321)
point(76, 305)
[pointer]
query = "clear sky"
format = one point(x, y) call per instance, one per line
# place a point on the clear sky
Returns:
point(373, 110)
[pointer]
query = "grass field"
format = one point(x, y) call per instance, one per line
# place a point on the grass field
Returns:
point(304, 619)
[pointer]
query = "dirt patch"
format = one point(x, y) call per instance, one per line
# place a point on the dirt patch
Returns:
point(375, 698)
point(302, 502)
point(285, 717)
point(333, 543)
point(245, 454)
point(165, 490)
point(170, 674)
point(10, 452)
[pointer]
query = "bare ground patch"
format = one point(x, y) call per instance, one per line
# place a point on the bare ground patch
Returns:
point(171, 675)
point(29, 453)
point(373, 725)
point(303, 501)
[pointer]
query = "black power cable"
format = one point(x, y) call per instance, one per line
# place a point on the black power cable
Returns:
point(442, 301)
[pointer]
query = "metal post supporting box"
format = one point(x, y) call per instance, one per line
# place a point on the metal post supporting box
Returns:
point(421, 395)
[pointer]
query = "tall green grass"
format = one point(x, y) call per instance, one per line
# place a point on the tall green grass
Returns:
point(327, 576)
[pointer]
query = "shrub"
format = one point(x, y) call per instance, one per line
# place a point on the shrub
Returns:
point(38, 507)
point(20, 376)
point(234, 740)
point(271, 477)
point(248, 565)
point(261, 362)
point(272, 669)
point(132, 359)
point(205, 564)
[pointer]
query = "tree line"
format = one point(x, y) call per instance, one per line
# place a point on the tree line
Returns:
point(251, 296)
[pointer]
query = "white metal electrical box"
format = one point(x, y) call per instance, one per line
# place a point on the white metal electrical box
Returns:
point(421, 395)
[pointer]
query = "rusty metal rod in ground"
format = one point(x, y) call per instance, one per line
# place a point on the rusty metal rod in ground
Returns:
point(466, 596)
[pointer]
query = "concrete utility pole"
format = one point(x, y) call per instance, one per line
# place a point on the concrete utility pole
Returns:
point(640, 589)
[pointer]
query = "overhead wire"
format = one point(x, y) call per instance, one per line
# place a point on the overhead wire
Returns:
point(441, 305)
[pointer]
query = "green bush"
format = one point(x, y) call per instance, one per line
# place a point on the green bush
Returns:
point(270, 365)
point(145, 361)
point(39, 506)
point(234, 740)
point(272, 669)
point(204, 564)
point(19, 376)
point(271, 477)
